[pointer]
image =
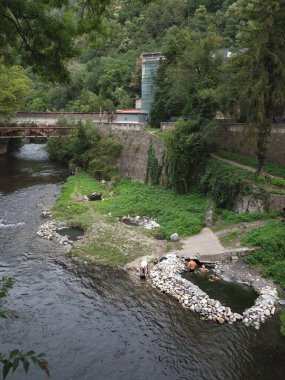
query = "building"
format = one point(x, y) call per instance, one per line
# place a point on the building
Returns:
point(150, 63)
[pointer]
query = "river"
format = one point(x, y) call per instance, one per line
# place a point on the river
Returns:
point(98, 323)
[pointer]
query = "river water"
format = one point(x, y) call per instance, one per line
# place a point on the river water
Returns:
point(98, 323)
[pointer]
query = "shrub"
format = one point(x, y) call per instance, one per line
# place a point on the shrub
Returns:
point(270, 239)
point(87, 149)
point(223, 184)
point(59, 149)
point(153, 167)
point(188, 146)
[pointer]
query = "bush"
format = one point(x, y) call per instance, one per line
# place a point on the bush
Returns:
point(89, 150)
point(188, 147)
point(270, 239)
point(223, 184)
point(59, 149)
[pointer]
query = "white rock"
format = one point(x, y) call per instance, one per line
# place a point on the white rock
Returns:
point(174, 237)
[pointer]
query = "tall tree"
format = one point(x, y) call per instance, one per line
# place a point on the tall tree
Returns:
point(15, 86)
point(258, 69)
point(42, 32)
point(187, 79)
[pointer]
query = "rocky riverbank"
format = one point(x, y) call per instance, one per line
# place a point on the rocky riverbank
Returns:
point(166, 276)
point(48, 231)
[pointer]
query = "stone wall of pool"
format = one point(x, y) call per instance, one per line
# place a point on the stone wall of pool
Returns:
point(166, 276)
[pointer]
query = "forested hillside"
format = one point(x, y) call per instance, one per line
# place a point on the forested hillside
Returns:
point(106, 73)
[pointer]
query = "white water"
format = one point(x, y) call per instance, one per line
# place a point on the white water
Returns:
point(35, 152)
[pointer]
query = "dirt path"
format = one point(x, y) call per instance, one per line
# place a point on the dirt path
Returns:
point(199, 246)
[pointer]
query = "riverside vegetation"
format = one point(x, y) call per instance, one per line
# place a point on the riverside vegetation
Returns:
point(108, 241)
point(193, 82)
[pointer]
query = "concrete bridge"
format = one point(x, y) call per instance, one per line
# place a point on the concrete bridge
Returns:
point(52, 118)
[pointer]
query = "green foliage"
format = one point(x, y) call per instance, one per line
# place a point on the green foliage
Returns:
point(249, 161)
point(279, 182)
point(223, 184)
point(59, 149)
point(30, 30)
point(228, 218)
point(7, 284)
point(257, 70)
point(15, 357)
point(107, 71)
point(14, 87)
point(183, 214)
point(15, 144)
point(270, 239)
point(153, 167)
point(188, 145)
point(87, 149)
point(187, 80)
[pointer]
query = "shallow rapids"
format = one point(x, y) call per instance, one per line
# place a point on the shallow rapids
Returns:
point(98, 323)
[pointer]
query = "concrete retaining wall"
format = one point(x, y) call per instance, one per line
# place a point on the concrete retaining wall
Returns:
point(135, 141)
point(241, 139)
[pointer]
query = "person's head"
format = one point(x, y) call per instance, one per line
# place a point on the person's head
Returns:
point(203, 266)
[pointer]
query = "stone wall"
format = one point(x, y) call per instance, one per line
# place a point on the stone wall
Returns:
point(241, 139)
point(3, 148)
point(135, 141)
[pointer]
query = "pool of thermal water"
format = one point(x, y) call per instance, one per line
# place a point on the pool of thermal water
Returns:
point(73, 233)
point(232, 294)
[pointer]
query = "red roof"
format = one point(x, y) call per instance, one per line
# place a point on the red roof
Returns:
point(129, 111)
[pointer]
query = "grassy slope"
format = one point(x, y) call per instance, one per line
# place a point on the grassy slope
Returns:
point(272, 169)
point(228, 218)
point(110, 241)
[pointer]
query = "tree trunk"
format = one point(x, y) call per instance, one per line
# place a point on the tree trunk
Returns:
point(261, 146)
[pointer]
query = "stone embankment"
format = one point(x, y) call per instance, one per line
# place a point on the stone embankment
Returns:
point(166, 276)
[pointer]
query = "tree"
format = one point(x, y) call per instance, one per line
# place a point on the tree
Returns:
point(15, 86)
point(258, 68)
point(187, 80)
point(42, 32)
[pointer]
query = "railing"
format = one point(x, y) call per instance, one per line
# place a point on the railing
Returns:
point(8, 132)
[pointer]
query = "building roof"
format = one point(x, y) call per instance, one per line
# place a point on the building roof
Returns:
point(132, 111)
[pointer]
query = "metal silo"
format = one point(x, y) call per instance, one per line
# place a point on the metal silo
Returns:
point(150, 64)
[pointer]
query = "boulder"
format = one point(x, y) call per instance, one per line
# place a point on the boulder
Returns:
point(174, 237)
point(97, 196)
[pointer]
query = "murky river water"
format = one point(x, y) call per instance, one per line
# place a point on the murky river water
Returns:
point(98, 323)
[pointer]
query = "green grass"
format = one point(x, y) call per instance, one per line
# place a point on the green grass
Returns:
point(239, 171)
point(157, 132)
point(229, 238)
point(270, 256)
point(149, 129)
point(112, 242)
point(183, 214)
point(274, 185)
point(229, 218)
point(276, 170)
